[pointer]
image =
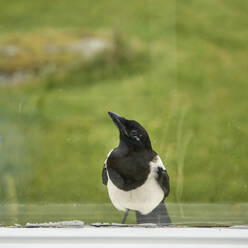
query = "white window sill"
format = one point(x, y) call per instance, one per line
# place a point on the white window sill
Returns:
point(123, 237)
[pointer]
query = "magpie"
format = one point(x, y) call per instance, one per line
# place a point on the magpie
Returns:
point(135, 176)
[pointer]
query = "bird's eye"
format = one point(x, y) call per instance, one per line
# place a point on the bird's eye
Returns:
point(133, 133)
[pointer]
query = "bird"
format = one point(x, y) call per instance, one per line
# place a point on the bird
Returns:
point(135, 176)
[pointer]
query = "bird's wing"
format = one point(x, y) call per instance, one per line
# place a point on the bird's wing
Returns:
point(104, 170)
point(163, 177)
point(104, 174)
point(116, 178)
point(164, 181)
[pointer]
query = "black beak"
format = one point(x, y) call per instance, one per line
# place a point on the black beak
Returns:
point(119, 122)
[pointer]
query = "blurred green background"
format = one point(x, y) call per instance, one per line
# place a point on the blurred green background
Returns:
point(177, 67)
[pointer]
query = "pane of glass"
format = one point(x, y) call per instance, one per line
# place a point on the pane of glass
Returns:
point(179, 68)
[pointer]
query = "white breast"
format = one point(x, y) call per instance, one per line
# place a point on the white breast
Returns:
point(144, 198)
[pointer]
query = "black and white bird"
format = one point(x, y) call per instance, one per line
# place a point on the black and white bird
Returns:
point(135, 175)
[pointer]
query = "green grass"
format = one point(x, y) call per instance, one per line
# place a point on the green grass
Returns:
point(191, 96)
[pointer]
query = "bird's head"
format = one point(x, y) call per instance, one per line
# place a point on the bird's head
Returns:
point(132, 134)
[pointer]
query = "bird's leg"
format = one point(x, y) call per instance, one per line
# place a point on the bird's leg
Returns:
point(125, 217)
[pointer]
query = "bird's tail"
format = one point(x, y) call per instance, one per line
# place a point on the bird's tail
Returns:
point(159, 216)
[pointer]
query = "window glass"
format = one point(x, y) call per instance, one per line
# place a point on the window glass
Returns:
point(179, 68)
